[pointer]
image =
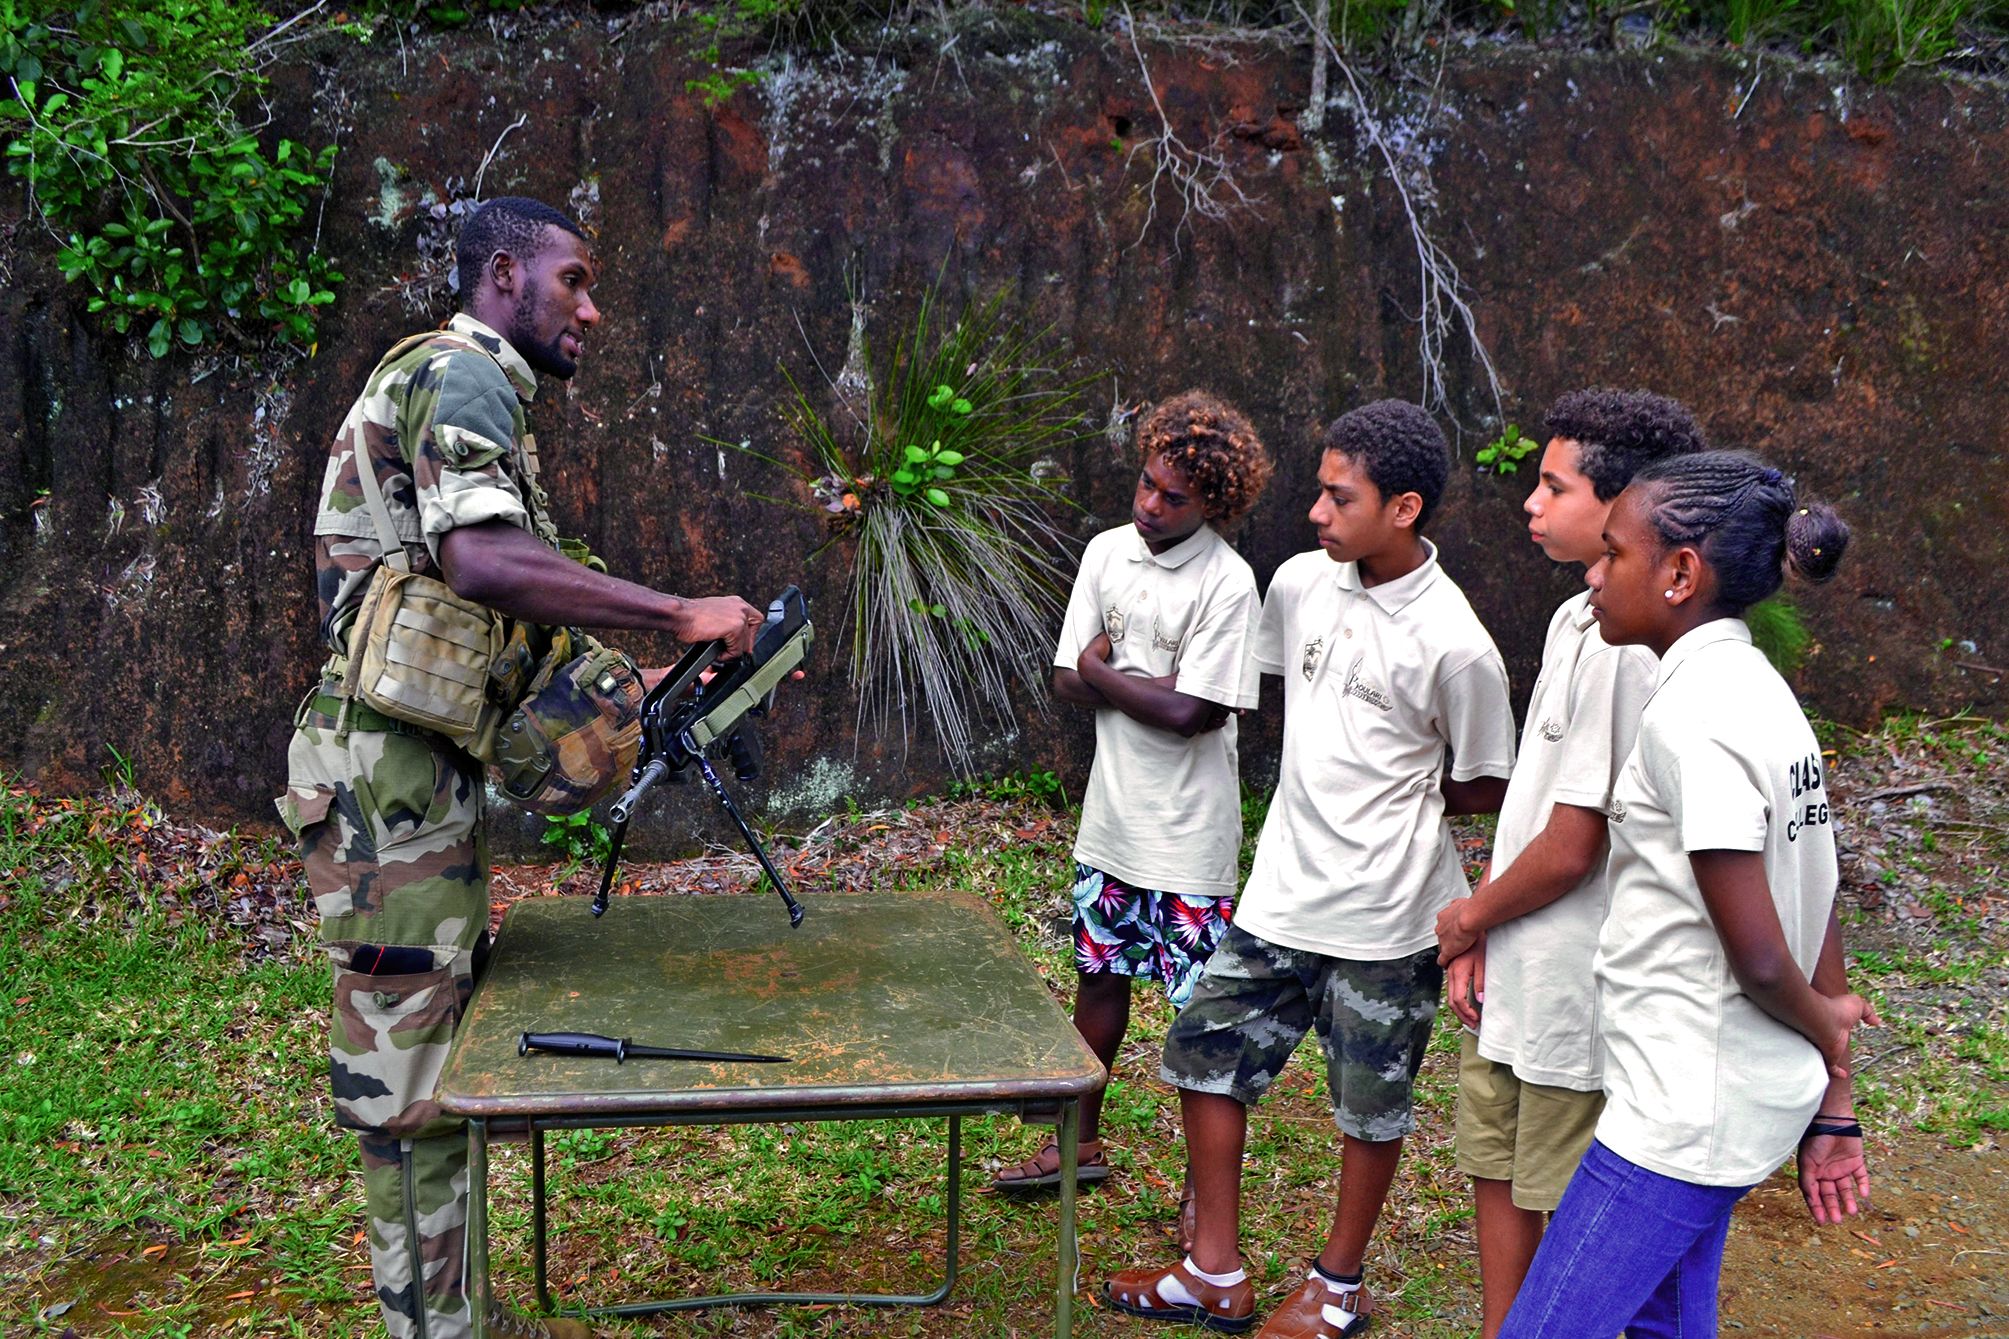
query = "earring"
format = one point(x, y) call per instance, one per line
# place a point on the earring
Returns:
point(1670, 593)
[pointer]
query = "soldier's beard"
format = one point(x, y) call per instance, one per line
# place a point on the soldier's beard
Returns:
point(546, 356)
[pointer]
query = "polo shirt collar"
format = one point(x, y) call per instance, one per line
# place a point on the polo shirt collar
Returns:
point(1187, 549)
point(1695, 639)
point(506, 357)
point(1392, 596)
point(1583, 617)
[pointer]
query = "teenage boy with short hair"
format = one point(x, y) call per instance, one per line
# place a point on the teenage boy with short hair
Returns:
point(1395, 715)
point(1158, 638)
point(1530, 1077)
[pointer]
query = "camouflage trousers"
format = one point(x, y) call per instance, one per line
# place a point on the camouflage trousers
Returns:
point(1255, 1002)
point(390, 830)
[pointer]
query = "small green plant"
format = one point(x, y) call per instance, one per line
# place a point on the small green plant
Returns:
point(1881, 37)
point(936, 473)
point(580, 838)
point(1778, 631)
point(1504, 454)
point(1042, 787)
point(185, 223)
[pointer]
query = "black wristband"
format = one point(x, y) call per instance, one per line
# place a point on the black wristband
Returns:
point(1834, 1127)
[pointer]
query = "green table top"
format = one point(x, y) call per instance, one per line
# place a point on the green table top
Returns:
point(898, 999)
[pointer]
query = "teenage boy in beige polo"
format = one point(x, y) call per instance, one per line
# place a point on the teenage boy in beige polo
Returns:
point(1530, 1077)
point(1158, 639)
point(1395, 714)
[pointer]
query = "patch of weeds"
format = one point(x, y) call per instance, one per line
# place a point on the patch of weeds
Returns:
point(1041, 787)
point(580, 838)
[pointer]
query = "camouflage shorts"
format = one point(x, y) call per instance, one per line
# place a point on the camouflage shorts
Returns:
point(1257, 1000)
point(1127, 931)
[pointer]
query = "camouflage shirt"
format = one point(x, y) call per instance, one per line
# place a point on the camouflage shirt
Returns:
point(441, 421)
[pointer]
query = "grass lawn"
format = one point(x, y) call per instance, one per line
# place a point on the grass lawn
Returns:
point(167, 1164)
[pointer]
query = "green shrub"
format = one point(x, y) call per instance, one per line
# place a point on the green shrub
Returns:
point(186, 226)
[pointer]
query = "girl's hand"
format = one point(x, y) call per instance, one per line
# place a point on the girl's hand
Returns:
point(1845, 1014)
point(1100, 648)
point(1834, 1176)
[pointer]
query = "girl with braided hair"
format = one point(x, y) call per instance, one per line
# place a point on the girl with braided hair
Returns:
point(1724, 1005)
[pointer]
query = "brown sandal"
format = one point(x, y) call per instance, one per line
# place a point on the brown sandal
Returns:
point(1135, 1292)
point(1042, 1169)
point(1303, 1316)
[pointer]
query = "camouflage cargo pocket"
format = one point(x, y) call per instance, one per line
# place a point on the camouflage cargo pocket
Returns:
point(387, 1045)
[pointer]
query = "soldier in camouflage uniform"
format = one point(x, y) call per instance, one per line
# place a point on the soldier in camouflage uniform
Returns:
point(389, 815)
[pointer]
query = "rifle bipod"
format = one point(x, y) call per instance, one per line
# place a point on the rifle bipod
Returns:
point(688, 712)
point(711, 776)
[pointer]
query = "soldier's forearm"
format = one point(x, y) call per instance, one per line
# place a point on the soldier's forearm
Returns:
point(510, 571)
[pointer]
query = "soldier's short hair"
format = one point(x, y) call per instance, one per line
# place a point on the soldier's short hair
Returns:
point(512, 223)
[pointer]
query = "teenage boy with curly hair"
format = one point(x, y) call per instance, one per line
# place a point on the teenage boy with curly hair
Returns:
point(1530, 1078)
point(1395, 715)
point(1158, 639)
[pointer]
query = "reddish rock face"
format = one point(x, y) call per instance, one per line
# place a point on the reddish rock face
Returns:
point(1819, 272)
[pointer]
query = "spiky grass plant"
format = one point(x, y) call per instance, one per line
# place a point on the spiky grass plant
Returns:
point(938, 474)
point(1778, 630)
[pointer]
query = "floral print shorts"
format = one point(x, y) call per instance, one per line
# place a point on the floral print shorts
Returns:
point(1126, 931)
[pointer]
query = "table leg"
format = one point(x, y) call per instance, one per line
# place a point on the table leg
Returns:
point(479, 1297)
point(537, 1223)
point(955, 1210)
point(1070, 1253)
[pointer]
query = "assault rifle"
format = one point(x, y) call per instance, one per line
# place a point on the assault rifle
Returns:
point(685, 715)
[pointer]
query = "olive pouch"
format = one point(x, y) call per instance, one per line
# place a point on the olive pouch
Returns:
point(418, 652)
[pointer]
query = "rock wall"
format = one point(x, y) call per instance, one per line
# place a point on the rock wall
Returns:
point(1817, 267)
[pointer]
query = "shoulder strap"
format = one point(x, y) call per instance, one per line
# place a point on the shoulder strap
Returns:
point(366, 465)
point(380, 514)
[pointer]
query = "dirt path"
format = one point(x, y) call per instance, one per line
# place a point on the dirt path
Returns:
point(1929, 1257)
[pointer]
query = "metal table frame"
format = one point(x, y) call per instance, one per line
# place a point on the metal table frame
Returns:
point(940, 1053)
point(477, 1212)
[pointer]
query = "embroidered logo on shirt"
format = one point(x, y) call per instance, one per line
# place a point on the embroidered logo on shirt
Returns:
point(1365, 691)
point(1616, 810)
point(1312, 651)
point(1161, 642)
point(1112, 623)
point(1552, 729)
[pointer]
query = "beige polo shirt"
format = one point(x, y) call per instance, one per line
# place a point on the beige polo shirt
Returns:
point(1702, 1084)
point(1162, 811)
point(1541, 1003)
point(1384, 687)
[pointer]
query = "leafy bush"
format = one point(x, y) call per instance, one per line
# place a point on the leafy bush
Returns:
point(936, 476)
point(124, 120)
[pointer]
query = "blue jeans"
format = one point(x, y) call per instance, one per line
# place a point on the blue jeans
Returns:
point(1628, 1249)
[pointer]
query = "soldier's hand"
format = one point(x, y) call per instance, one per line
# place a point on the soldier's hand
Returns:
point(724, 618)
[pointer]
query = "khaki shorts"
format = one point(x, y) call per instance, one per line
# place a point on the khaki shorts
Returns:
point(1526, 1133)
